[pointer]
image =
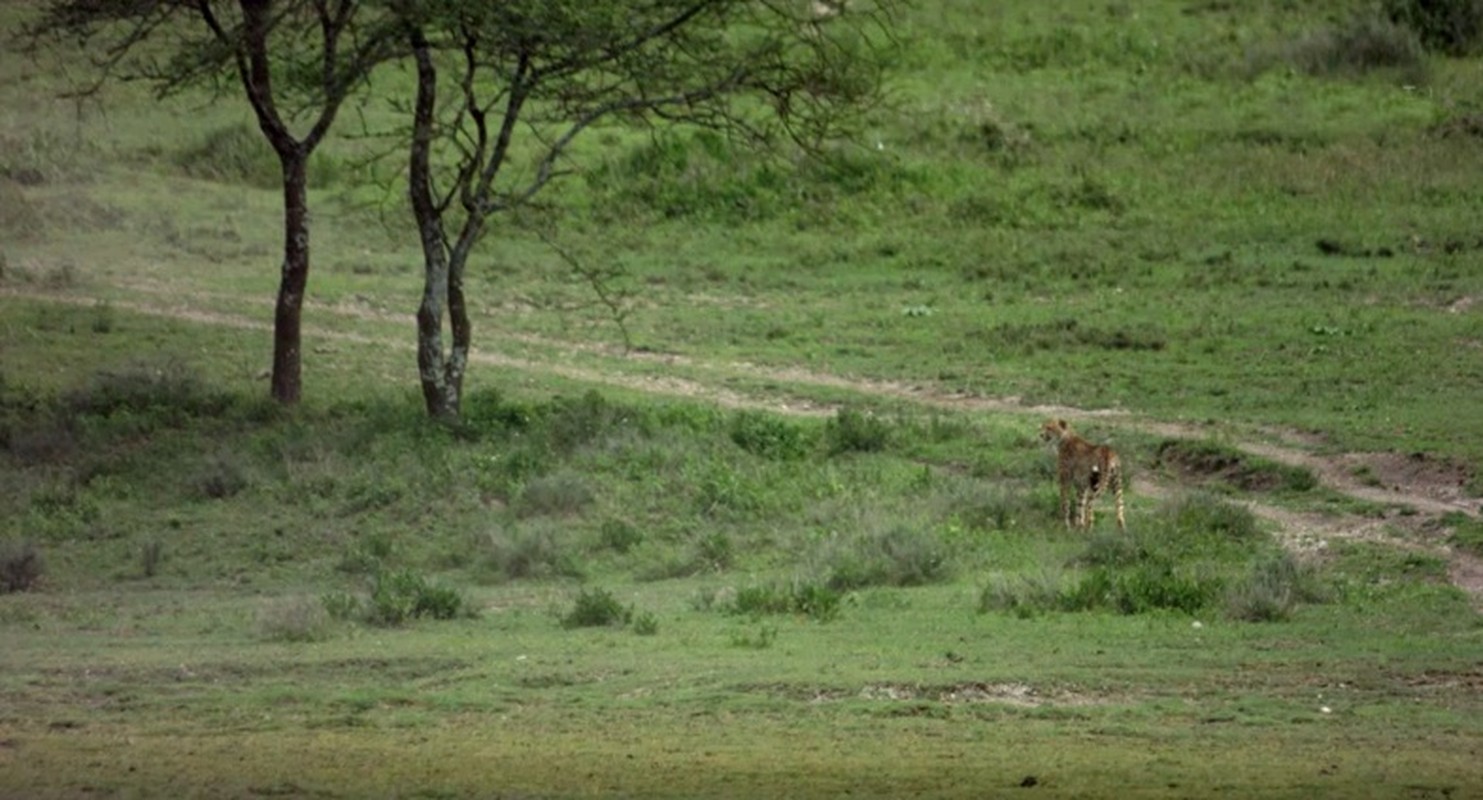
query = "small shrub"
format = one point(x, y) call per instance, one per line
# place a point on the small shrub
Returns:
point(895, 556)
point(1147, 587)
point(21, 565)
point(574, 423)
point(760, 639)
point(151, 555)
point(619, 536)
point(35, 444)
point(1114, 549)
point(299, 619)
point(1207, 515)
point(341, 606)
point(1364, 43)
point(714, 550)
point(1024, 596)
point(367, 555)
point(765, 599)
point(853, 431)
point(1454, 27)
point(102, 321)
point(769, 436)
point(60, 511)
point(561, 494)
point(817, 601)
point(1273, 588)
point(403, 595)
point(725, 492)
point(169, 389)
point(596, 608)
point(221, 477)
point(645, 624)
point(1468, 536)
point(531, 551)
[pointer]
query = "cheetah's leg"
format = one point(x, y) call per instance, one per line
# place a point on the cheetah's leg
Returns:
point(1066, 502)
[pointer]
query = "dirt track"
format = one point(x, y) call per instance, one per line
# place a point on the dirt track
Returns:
point(1415, 488)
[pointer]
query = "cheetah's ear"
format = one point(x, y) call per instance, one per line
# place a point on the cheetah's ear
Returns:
point(1062, 424)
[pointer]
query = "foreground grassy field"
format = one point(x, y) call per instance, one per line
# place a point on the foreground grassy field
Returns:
point(797, 538)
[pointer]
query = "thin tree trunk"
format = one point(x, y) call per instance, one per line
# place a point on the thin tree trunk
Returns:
point(441, 381)
point(287, 383)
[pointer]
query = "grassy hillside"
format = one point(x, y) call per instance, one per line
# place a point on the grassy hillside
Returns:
point(776, 523)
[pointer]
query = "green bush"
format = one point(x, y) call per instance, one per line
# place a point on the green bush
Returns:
point(342, 606)
point(403, 595)
point(1024, 596)
point(1145, 588)
point(534, 550)
point(1203, 514)
point(1107, 548)
point(293, 620)
point(151, 555)
point(811, 599)
point(853, 431)
point(1467, 535)
point(21, 565)
point(769, 436)
point(168, 391)
point(900, 555)
point(645, 624)
point(221, 476)
point(619, 536)
point(1275, 585)
point(561, 494)
point(596, 608)
point(1454, 27)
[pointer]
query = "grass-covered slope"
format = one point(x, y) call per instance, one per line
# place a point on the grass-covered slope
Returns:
point(772, 520)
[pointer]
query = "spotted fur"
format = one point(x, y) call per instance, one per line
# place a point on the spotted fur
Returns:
point(1085, 470)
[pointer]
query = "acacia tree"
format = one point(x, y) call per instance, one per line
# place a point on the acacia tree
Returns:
point(525, 78)
point(295, 61)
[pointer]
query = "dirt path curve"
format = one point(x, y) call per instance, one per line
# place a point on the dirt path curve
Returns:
point(1413, 485)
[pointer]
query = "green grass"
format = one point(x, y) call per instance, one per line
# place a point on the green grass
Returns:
point(797, 542)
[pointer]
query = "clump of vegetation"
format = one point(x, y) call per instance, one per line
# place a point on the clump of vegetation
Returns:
point(1467, 535)
point(297, 619)
point(529, 551)
point(1022, 595)
point(853, 431)
point(398, 596)
point(1454, 27)
point(169, 391)
point(21, 565)
point(1155, 585)
point(222, 476)
point(597, 608)
point(1202, 514)
point(817, 601)
point(563, 493)
point(1364, 43)
point(769, 436)
point(899, 555)
point(151, 555)
point(1273, 588)
point(763, 637)
point(619, 535)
